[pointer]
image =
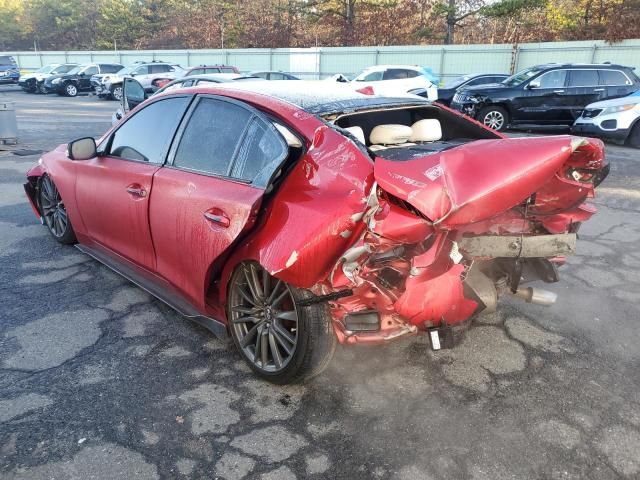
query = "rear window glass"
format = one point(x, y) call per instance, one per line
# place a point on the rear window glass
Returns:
point(613, 77)
point(6, 60)
point(228, 70)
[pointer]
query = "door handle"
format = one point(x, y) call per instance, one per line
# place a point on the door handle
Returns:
point(558, 91)
point(218, 217)
point(136, 190)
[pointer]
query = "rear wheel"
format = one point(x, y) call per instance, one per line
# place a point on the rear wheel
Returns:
point(282, 341)
point(495, 118)
point(634, 137)
point(54, 212)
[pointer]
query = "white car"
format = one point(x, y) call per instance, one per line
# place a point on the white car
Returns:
point(29, 81)
point(111, 86)
point(617, 120)
point(395, 80)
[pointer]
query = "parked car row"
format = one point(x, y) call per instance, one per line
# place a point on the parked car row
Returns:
point(601, 100)
point(70, 79)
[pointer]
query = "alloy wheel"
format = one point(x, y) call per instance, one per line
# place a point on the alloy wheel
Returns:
point(264, 317)
point(71, 90)
point(117, 93)
point(53, 210)
point(494, 119)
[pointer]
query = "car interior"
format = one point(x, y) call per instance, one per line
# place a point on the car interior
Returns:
point(406, 133)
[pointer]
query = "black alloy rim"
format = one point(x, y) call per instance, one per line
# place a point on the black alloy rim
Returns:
point(264, 317)
point(53, 211)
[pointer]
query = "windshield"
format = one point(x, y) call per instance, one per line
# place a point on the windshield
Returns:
point(518, 78)
point(45, 69)
point(63, 69)
point(127, 70)
point(456, 82)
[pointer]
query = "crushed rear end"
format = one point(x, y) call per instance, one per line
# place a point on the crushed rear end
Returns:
point(445, 234)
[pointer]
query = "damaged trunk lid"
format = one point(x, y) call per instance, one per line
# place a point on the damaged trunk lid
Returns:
point(483, 178)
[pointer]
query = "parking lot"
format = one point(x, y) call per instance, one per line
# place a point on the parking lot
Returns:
point(99, 380)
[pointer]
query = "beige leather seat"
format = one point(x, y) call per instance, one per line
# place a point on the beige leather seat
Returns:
point(427, 130)
point(390, 134)
point(358, 133)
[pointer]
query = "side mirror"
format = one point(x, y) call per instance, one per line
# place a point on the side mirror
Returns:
point(533, 84)
point(82, 149)
point(132, 74)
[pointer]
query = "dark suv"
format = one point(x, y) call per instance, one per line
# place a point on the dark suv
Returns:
point(9, 70)
point(552, 94)
point(78, 79)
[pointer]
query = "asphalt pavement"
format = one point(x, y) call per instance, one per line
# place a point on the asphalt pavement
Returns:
point(100, 381)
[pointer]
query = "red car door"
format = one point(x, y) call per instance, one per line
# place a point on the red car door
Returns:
point(113, 189)
point(211, 189)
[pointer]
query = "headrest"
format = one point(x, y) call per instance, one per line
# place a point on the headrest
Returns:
point(390, 134)
point(358, 133)
point(289, 137)
point(427, 130)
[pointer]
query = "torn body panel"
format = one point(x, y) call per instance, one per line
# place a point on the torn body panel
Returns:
point(435, 254)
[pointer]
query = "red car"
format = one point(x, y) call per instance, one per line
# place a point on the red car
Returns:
point(293, 220)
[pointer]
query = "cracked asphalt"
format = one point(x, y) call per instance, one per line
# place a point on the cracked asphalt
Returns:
point(100, 381)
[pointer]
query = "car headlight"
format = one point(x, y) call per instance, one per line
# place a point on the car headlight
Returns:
point(55, 81)
point(620, 108)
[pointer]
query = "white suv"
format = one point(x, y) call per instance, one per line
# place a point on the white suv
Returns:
point(394, 80)
point(617, 119)
point(111, 86)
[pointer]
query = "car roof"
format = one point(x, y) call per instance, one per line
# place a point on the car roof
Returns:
point(581, 65)
point(375, 68)
point(320, 97)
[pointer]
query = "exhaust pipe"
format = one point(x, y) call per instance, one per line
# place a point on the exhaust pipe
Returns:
point(537, 296)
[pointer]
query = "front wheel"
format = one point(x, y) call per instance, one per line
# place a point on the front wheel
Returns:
point(54, 212)
point(495, 118)
point(280, 339)
point(70, 90)
point(116, 92)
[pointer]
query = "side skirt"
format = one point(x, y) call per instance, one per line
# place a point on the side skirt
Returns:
point(153, 285)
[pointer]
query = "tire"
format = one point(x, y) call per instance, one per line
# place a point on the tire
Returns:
point(495, 118)
point(40, 88)
point(54, 212)
point(633, 140)
point(70, 90)
point(116, 92)
point(293, 343)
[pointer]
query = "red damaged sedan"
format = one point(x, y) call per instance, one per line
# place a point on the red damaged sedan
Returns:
point(293, 217)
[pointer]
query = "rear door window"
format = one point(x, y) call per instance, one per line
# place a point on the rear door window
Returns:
point(553, 79)
point(211, 136)
point(583, 78)
point(613, 78)
point(146, 136)
point(260, 148)
point(212, 70)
